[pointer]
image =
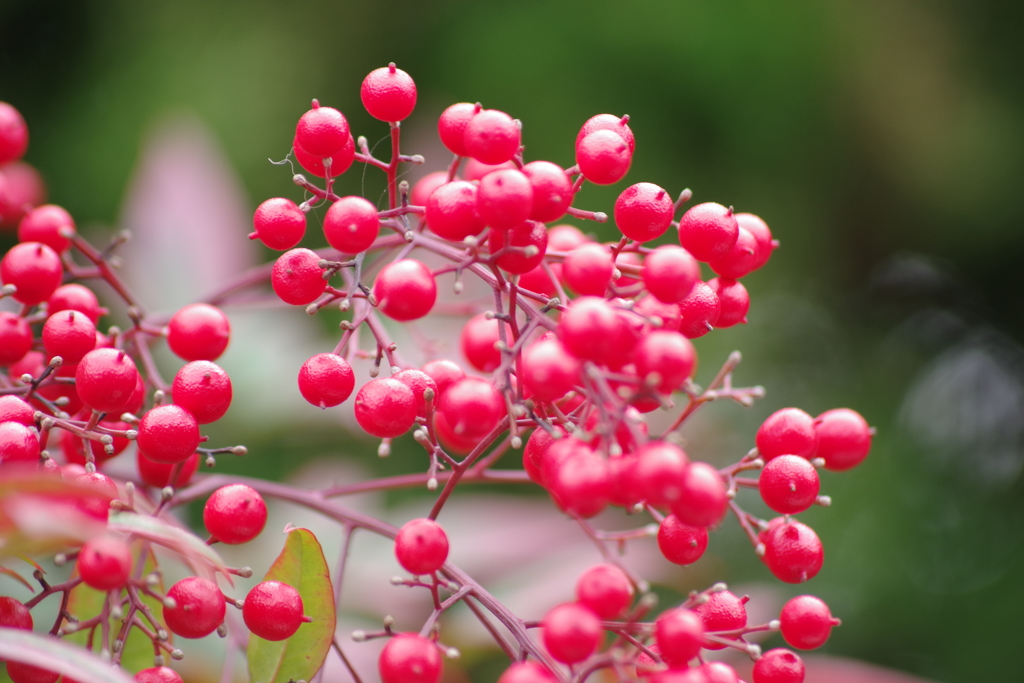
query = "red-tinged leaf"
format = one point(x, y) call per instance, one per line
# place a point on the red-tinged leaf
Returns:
point(32, 562)
point(18, 577)
point(301, 565)
point(41, 514)
point(56, 655)
point(201, 558)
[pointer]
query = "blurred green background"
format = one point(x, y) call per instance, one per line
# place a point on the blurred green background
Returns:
point(882, 140)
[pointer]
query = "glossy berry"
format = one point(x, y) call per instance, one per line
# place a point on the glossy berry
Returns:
point(198, 332)
point(26, 673)
point(844, 438)
point(605, 589)
point(405, 290)
point(668, 356)
point(779, 666)
point(297, 277)
point(13, 614)
point(203, 389)
point(718, 672)
point(681, 543)
point(425, 187)
point(708, 231)
point(35, 269)
point(679, 634)
point(13, 134)
point(158, 474)
point(326, 380)
point(235, 514)
point(168, 434)
point(105, 562)
point(77, 298)
point(18, 443)
point(158, 674)
point(278, 223)
point(341, 160)
point(762, 236)
point(587, 269)
point(789, 431)
point(15, 409)
point(527, 672)
point(15, 338)
point(477, 340)
point(451, 126)
point(472, 407)
point(700, 310)
point(793, 552)
point(670, 272)
point(504, 198)
point(272, 610)
point(388, 93)
point(703, 499)
point(591, 330)
point(740, 260)
point(617, 124)
point(571, 632)
point(444, 373)
point(491, 136)
point(451, 211)
point(789, 484)
point(418, 382)
point(658, 474)
point(351, 225)
point(70, 335)
point(322, 131)
point(552, 190)
point(520, 239)
point(722, 612)
point(409, 658)
point(734, 300)
point(580, 484)
point(603, 157)
point(421, 546)
point(549, 371)
point(385, 407)
point(806, 622)
point(643, 212)
point(45, 224)
point(198, 607)
point(106, 380)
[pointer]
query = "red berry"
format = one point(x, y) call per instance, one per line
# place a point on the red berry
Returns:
point(806, 622)
point(405, 290)
point(580, 483)
point(388, 93)
point(451, 211)
point(385, 407)
point(521, 238)
point(13, 614)
point(616, 124)
point(158, 474)
point(740, 260)
point(444, 373)
point(418, 381)
point(588, 269)
point(18, 443)
point(15, 409)
point(734, 300)
point(527, 672)
point(549, 370)
point(421, 546)
point(793, 552)
point(322, 131)
point(703, 499)
point(477, 340)
point(451, 127)
point(491, 136)
point(409, 658)
point(571, 632)
point(15, 338)
point(762, 236)
point(105, 562)
point(425, 187)
point(504, 198)
point(297, 277)
point(235, 514)
point(272, 610)
point(679, 634)
point(102, 490)
point(779, 666)
point(603, 157)
point(168, 434)
point(719, 672)
point(591, 329)
point(70, 335)
point(351, 225)
point(21, 187)
point(708, 231)
point(26, 673)
point(158, 674)
point(341, 160)
point(472, 407)
point(722, 612)
point(455, 443)
point(605, 589)
point(74, 446)
point(552, 190)
point(658, 474)
point(566, 238)
point(700, 310)
point(13, 134)
point(198, 608)
point(681, 543)
point(789, 484)
point(538, 280)
point(44, 224)
point(476, 170)
point(326, 380)
point(669, 355)
point(789, 431)
point(643, 212)
point(199, 332)
point(203, 389)
point(844, 438)
point(536, 446)
point(278, 223)
point(77, 298)
point(670, 272)
point(667, 315)
point(106, 380)
point(35, 269)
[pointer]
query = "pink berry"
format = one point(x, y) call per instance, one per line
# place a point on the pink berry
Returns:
point(504, 199)
point(588, 269)
point(549, 370)
point(70, 335)
point(658, 474)
point(718, 672)
point(235, 514)
point(762, 236)
point(670, 272)
point(844, 438)
point(591, 329)
point(740, 260)
point(667, 355)
point(322, 131)
point(44, 224)
point(643, 212)
point(472, 407)
point(703, 499)
point(351, 225)
point(789, 484)
point(580, 483)
point(421, 546)
point(605, 589)
point(15, 338)
point(35, 269)
point(603, 157)
point(491, 136)
point(552, 190)
point(388, 93)
point(278, 223)
point(106, 380)
point(571, 632)
point(273, 610)
point(158, 474)
point(15, 409)
point(722, 612)
point(708, 231)
point(418, 382)
point(665, 313)
point(409, 658)
point(444, 373)
point(385, 407)
point(451, 211)
point(451, 127)
point(326, 380)
point(566, 238)
point(477, 340)
point(13, 134)
point(198, 607)
point(104, 563)
point(806, 622)
point(616, 124)
point(77, 298)
point(680, 635)
point(527, 244)
point(168, 434)
point(681, 543)
point(405, 290)
point(425, 187)
point(476, 170)
point(793, 552)
point(341, 160)
point(157, 674)
point(203, 389)
point(700, 310)
point(297, 277)
point(527, 672)
point(789, 431)
point(198, 332)
point(734, 301)
point(18, 444)
point(779, 666)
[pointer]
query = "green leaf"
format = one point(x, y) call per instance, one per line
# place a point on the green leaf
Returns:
point(301, 565)
point(56, 655)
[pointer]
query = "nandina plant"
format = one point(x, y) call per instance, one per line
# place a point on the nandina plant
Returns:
point(579, 343)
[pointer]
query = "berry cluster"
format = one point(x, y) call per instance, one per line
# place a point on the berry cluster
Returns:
point(582, 340)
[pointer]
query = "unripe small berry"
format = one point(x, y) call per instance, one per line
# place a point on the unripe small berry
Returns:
point(235, 514)
point(388, 93)
point(273, 610)
point(421, 546)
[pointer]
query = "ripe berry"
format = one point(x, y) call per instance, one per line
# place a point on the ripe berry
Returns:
point(605, 589)
point(297, 277)
point(789, 431)
point(409, 658)
point(670, 272)
point(35, 269)
point(421, 546)
point(26, 673)
point(405, 290)
point(718, 672)
point(444, 373)
point(741, 259)
point(44, 224)
point(588, 269)
point(158, 674)
point(504, 198)
point(789, 484)
point(700, 310)
point(472, 407)
point(668, 355)
point(477, 340)
point(198, 608)
point(527, 672)
point(592, 330)
point(78, 298)
point(15, 409)
point(102, 490)
point(603, 157)
point(326, 380)
point(418, 381)
point(580, 484)
point(679, 634)
point(106, 380)
point(566, 238)
point(722, 612)
point(491, 136)
point(341, 160)
point(476, 170)
point(549, 370)
point(451, 211)
point(657, 476)
point(203, 389)
point(15, 338)
point(616, 124)
point(666, 314)
point(388, 93)
point(762, 236)
point(703, 499)
point(643, 212)
point(351, 225)
point(425, 187)
point(793, 552)
point(552, 190)
point(451, 126)
point(517, 260)
point(735, 301)
point(18, 443)
point(168, 434)
point(779, 666)
point(21, 187)
point(806, 622)
point(708, 231)
point(571, 632)
point(105, 562)
point(235, 514)
point(322, 131)
point(13, 134)
point(458, 443)
point(278, 223)
point(198, 332)
point(13, 614)
point(681, 543)
point(70, 335)
point(844, 438)
point(385, 407)
point(158, 474)
point(272, 610)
